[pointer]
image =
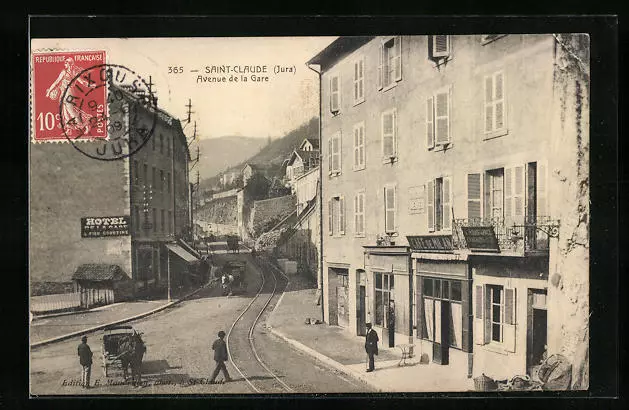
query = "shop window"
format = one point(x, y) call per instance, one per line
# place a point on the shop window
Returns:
point(384, 285)
point(455, 291)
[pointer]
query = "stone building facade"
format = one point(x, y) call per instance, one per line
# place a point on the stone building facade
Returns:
point(438, 158)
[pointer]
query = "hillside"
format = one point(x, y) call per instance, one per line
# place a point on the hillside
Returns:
point(217, 154)
point(278, 150)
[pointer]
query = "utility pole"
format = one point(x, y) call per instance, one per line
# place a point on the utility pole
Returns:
point(190, 112)
point(151, 93)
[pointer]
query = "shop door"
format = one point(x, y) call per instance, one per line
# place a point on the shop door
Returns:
point(342, 294)
point(361, 311)
point(441, 347)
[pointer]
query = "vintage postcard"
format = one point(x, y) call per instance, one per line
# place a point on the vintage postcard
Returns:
point(338, 214)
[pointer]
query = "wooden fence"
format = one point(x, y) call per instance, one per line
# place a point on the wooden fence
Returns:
point(58, 302)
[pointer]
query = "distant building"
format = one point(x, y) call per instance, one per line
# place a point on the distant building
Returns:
point(251, 169)
point(144, 196)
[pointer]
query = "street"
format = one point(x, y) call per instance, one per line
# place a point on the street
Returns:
point(179, 358)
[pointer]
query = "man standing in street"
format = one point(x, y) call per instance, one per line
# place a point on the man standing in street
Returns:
point(85, 359)
point(220, 357)
point(371, 345)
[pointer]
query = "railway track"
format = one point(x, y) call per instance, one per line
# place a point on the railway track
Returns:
point(241, 339)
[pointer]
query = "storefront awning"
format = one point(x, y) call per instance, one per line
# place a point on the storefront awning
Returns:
point(182, 253)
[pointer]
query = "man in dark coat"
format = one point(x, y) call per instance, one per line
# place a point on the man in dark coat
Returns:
point(220, 357)
point(85, 359)
point(371, 345)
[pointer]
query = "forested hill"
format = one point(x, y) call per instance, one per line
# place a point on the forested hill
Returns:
point(278, 150)
point(218, 154)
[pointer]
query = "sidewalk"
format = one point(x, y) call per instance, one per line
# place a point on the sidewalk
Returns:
point(337, 348)
point(61, 325)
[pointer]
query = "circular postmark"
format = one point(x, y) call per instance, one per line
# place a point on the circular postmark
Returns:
point(107, 112)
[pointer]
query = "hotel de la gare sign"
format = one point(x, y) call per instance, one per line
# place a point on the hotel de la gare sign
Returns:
point(104, 226)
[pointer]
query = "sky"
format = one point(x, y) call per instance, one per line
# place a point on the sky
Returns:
point(253, 108)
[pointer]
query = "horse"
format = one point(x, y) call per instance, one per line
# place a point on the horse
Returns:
point(132, 349)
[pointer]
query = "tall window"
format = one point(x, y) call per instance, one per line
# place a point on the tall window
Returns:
point(359, 146)
point(389, 135)
point(438, 111)
point(336, 215)
point(170, 222)
point(334, 154)
point(136, 171)
point(161, 144)
point(154, 220)
point(390, 205)
point(383, 288)
point(137, 220)
point(163, 219)
point(429, 309)
point(359, 213)
point(154, 179)
point(439, 204)
point(335, 94)
point(359, 79)
point(496, 193)
point(145, 174)
point(390, 64)
point(167, 146)
point(495, 316)
point(495, 104)
point(496, 311)
point(161, 180)
point(169, 183)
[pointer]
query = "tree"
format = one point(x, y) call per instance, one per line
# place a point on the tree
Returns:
point(257, 187)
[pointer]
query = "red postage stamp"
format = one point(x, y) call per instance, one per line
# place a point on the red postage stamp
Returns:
point(53, 76)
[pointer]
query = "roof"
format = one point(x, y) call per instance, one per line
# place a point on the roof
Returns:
point(98, 272)
point(305, 156)
point(313, 141)
point(338, 49)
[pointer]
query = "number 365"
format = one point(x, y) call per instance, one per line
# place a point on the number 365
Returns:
point(175, 70)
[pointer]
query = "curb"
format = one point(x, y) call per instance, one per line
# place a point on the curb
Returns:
point(326, 360)
point(74, 312)
point(117, 322)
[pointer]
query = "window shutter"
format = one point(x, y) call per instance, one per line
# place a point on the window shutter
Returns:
point(430, 123)
point(356, 81)
point(447, 203)
point(473, 196)
point(380, 68)
point(489, 108)
point(479, 326)
point(356, 223)
point(361, 78)
point(330, 144)
point(542, 206)
point(486, 315)
point(508, 195)
point(509, 320)
point(387, 135)
point(442, 118)
point(394, 137)
point(356, 146)
point(389, 198)
point(499, 105)
point(361, 147)
point(334, 93)
point(398, 58)
point(361, 207)
point(440, 46)
point(342, 215)
point(430, 205)
point(518, 194)
point(330, 216)
point(335, 153)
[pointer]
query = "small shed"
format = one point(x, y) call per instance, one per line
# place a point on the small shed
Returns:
point(101, 284)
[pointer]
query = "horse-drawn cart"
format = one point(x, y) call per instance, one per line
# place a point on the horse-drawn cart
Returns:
point(122, 347)
point(233, 280)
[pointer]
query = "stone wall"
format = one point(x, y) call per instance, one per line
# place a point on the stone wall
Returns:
point(568, 291)
point(267, 213)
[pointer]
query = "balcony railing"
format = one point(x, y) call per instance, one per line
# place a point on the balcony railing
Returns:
point(524, 236)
